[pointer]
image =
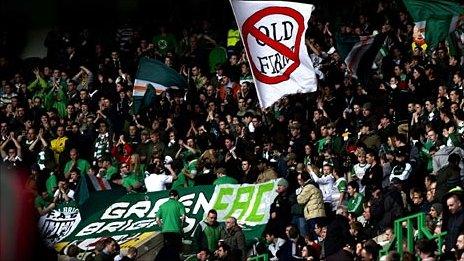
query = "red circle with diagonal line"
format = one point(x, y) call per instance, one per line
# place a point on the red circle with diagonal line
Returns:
point(248, 27)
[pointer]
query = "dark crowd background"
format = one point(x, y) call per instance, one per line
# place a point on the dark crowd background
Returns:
point(353, 156)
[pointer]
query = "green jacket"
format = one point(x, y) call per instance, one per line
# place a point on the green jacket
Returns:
point(207, 236)
point(38, 88)
point(182, 180)
point(453, 140)
point(58, 100)
point(131, 180)
point(355, 204)
point(82, 165)
point(425, 155)
point(334, 142)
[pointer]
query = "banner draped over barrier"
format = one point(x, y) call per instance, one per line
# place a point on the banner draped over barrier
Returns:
point(133, 215)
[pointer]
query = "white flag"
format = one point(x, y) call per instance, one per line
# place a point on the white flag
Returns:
point(354, 57)
point(273, 34)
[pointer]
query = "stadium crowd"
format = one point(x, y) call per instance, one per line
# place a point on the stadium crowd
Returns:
point(351, 158)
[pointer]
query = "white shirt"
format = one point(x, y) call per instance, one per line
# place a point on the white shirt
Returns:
point(157, 182)
point(325, 183)
point(275, 246)
point(70, 194)
point(359, 170)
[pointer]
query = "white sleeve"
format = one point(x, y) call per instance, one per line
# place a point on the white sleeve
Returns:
point(71, 194)
point(314, 176)
point(322, 180)
point(168, 179)
point(405, 174)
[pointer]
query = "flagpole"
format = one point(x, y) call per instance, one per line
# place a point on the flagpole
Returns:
point(247, 55)
point(188, 84)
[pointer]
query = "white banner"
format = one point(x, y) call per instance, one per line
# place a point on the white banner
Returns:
point(273, 34)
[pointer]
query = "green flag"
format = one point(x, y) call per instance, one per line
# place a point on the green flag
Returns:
point(159, 76)
point(439, 16)
point(148, 98)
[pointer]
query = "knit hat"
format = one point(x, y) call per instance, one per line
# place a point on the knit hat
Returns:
point(282, 182)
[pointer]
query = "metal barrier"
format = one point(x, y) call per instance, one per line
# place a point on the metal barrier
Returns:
point(263, 257)
point(411, 234)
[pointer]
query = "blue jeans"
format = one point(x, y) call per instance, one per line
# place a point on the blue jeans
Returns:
point(300, 223)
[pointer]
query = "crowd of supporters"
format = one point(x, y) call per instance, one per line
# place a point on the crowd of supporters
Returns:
point(351, 158)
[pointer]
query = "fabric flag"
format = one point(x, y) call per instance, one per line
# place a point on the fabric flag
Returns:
point(345, 43)
point(82, 191)
point(273, 36)
point(159, 76)
point(361, 58)
point(438, 16)
point(358, 50)
point(99, 183)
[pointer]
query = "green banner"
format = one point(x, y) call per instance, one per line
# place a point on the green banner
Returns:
point(131, 215)
point(438, 18)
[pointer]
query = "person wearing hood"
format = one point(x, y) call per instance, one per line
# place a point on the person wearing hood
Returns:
point(392, 203)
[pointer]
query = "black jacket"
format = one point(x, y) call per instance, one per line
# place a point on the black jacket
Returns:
point(393, 206)
point(338, 235)
point(454, 224)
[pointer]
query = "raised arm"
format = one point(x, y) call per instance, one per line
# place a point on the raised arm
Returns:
point(2, 147)
point(171, 171)
point(17, 145)
point(181, 142)
point(321, 180)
